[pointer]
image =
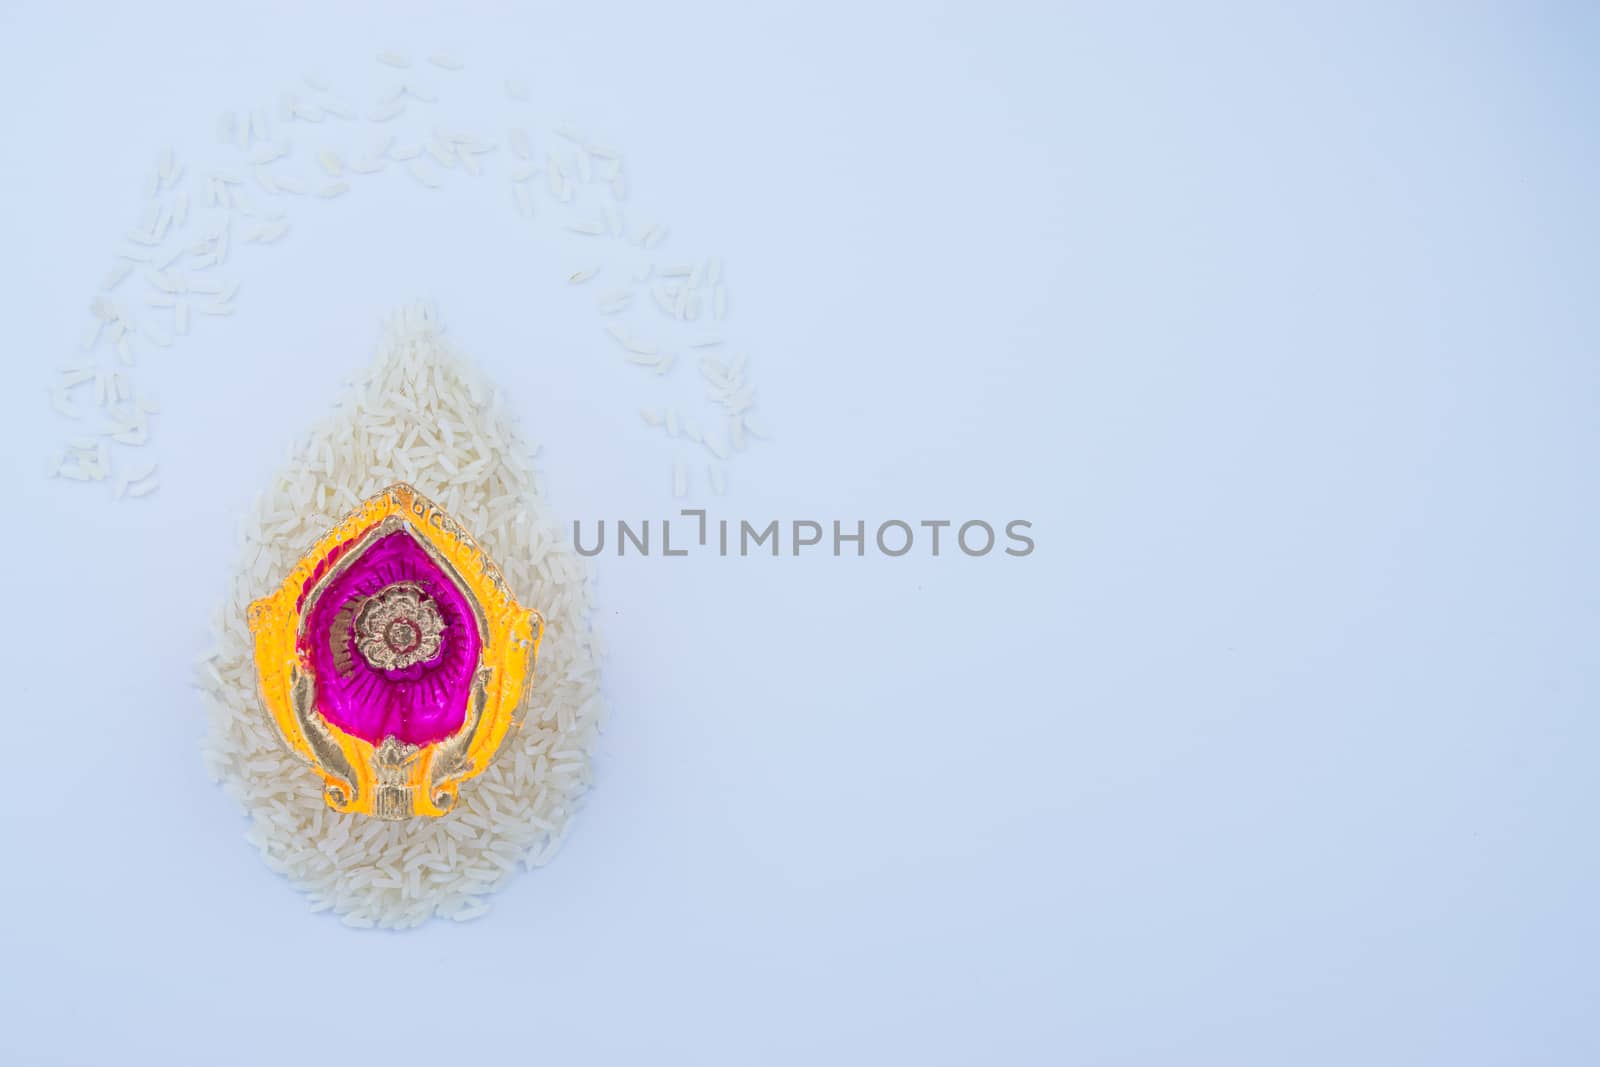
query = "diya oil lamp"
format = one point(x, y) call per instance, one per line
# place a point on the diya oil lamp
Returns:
point(393, 657)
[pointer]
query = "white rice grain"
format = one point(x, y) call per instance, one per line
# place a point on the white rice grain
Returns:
point(62, 406)
point(615, 301)
point(442, 154)
point(421, 175)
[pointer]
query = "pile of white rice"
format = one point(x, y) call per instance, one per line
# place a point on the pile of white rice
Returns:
point(420, 415)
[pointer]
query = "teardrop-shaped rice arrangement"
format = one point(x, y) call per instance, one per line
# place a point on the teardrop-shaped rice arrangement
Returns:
point(420, 414)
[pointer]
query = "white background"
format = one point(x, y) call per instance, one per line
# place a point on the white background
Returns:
point(1279, 749)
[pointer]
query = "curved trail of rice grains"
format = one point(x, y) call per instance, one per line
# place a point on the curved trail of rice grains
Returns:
point(422, 415)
